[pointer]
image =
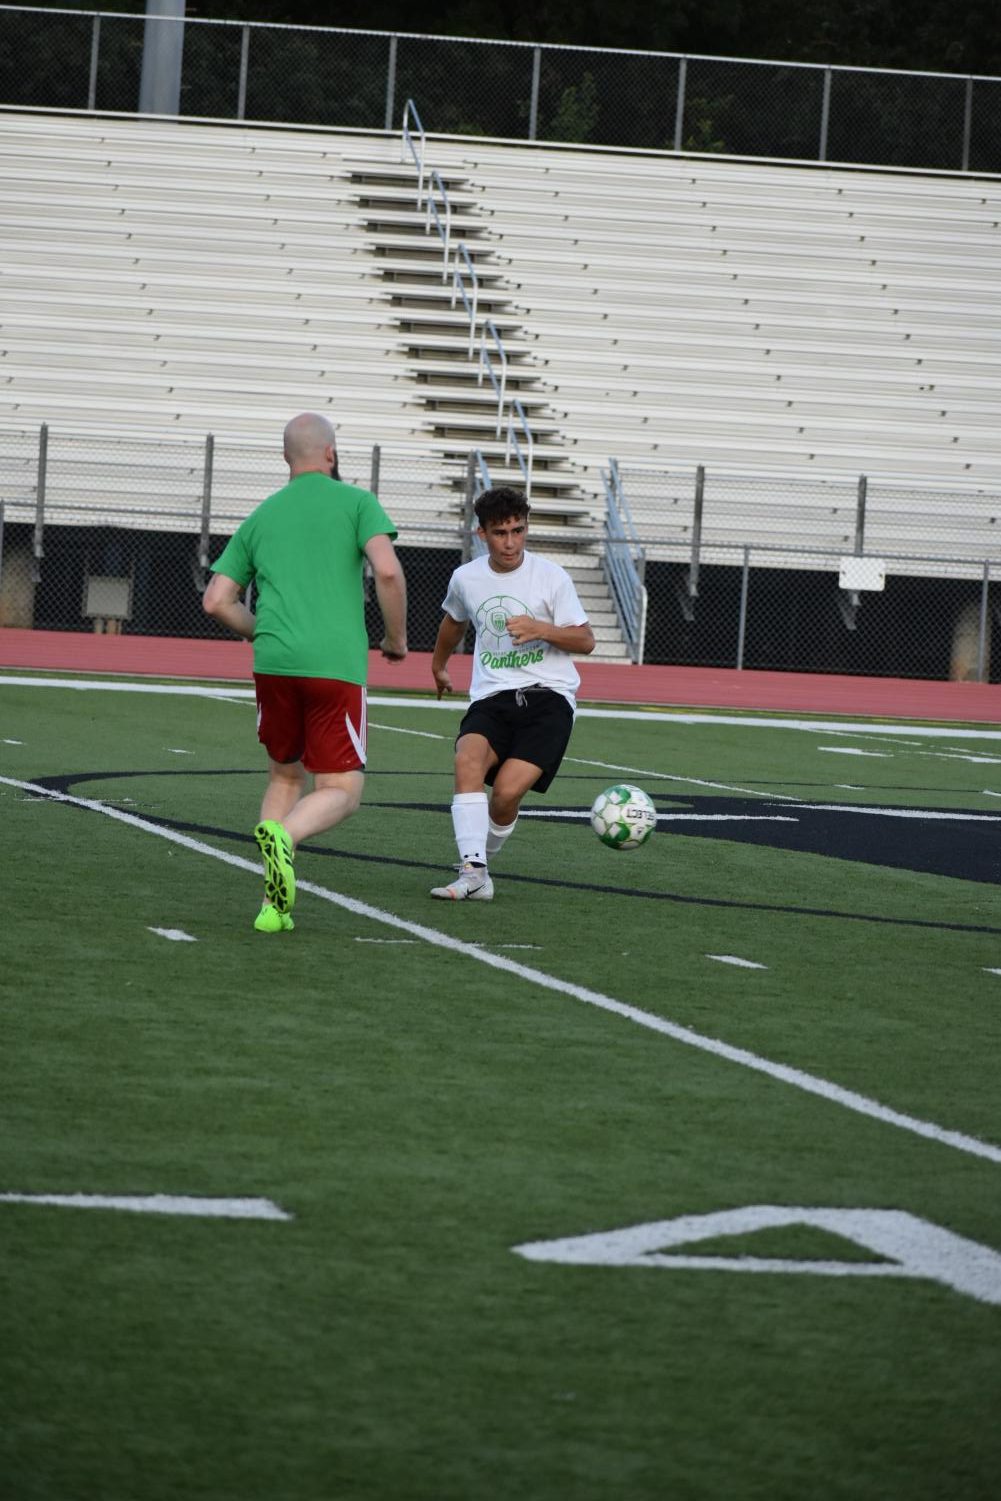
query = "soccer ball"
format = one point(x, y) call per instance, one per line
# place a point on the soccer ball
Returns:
point(623, 817)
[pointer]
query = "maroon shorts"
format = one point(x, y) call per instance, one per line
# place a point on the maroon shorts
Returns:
point(321, 722)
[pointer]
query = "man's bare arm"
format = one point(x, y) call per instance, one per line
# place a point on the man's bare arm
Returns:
point(222, 601)
point(391, 592)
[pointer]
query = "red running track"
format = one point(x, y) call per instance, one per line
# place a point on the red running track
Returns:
point(689, 687)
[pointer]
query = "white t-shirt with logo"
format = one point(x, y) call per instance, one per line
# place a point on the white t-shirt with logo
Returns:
point(536, 587)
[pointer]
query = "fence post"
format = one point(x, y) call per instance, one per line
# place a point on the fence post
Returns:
point(679, 112)
point(391, 83)
point(203, 546)
point(982, 671)
point(373, 478)
point(533, 109)
point(241, 94)
point(825, 116)
point(967, 125)
point(467, 508)
point(95, 43)
point(863, 490)
point(38, 551)
point(742, 623)
point(693, 567)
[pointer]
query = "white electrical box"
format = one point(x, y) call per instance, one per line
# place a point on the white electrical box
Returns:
point(862, 573)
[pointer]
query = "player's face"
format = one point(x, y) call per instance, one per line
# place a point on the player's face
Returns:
point(505, 543)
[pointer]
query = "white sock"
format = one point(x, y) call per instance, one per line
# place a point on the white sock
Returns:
point(469, 820)
point(497, 833)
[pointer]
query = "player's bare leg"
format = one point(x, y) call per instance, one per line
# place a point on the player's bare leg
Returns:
point(286, 784)
point(335, 796)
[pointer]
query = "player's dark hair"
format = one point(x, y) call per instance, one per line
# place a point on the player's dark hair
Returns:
point(503, 503)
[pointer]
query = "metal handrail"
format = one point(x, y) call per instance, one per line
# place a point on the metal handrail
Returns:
point(481, 483)
point(410, 108)
point(524, 464)
point(486, 363)
point(624, 563)
point(459, 289)
point(444, 230)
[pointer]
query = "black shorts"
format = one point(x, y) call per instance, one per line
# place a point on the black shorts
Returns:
point(526, 724)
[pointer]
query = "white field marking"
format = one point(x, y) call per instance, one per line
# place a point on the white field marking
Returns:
point(849, 787)
point(732, 959)
point(396, 730)
point(13, 742)
point(904, 813)
point(992, 971)
point(988, 793)
point(215, 1209)
point(172, 750)
point(794, 1077)
point(893, 740)
point(668, 817)
point(177, 935)
point(915, 1247)
point(665, 776)
point(961, 756)
point(650, 716)
point(852, 750)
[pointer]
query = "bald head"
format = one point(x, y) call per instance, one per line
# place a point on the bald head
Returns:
point(310, 444)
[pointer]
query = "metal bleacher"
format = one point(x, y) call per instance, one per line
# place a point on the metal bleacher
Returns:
point(669, 311)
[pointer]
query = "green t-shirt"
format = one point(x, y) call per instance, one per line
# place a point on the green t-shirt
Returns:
point(303, 548)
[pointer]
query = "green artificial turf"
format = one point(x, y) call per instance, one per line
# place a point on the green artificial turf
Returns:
point(419, 1113)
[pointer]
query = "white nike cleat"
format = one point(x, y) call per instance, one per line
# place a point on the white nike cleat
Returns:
point(472, 884)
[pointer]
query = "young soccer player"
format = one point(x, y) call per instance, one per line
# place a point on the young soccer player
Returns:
point(529, 625)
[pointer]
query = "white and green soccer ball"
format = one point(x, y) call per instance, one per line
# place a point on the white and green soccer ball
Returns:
point(623, 817)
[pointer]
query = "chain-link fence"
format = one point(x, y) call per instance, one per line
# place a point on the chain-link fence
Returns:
point(69, 59)
point(746, 571)
point(116, 535)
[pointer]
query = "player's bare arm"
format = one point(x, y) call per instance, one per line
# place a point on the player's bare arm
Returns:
point(222, 600)
point(575, 640)
point(450, 633)
point(391, 592)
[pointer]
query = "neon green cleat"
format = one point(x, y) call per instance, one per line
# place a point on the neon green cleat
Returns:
point(279, 872)
point(270, 920)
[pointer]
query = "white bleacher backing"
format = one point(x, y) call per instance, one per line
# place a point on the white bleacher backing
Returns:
point(179, 279)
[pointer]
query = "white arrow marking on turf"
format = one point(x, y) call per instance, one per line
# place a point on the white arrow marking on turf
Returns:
point(177, 935)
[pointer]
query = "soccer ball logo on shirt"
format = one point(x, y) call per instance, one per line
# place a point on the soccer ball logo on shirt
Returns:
point(494, 613)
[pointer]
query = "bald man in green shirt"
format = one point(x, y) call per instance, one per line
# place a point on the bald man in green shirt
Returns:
point(304, 549)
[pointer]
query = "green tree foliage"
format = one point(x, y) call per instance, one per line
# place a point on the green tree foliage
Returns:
point(577, 113)
point(926, 35)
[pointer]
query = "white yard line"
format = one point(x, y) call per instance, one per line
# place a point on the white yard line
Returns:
point(665, 776)
point(176, 935)
point(396, 729)
point(454, 705)
point(810, 1083)
point(582, 813)
point(918, 813)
